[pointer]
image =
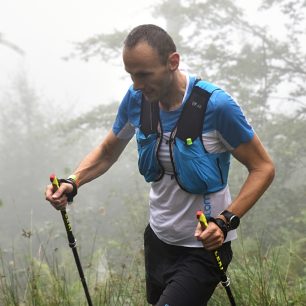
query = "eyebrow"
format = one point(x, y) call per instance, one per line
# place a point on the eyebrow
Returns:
point(144, 72)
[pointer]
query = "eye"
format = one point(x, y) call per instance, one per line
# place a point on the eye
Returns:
point(140, 76)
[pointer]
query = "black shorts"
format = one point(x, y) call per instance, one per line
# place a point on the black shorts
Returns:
point(181, 276)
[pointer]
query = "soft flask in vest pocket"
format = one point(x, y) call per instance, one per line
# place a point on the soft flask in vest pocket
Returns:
point(197, 171)
point(147, 162)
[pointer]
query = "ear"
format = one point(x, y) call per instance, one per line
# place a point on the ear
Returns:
point(173, 61)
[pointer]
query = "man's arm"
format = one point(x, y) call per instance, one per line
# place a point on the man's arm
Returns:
point(96, 163)
point(261, 173)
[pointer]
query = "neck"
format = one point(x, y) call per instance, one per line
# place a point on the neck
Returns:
point(174, 97)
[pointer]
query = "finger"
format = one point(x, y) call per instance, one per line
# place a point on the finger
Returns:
point(49, 192)
point(60, 204)
point(208, 234)
point(198, 231)
point(53, 200)
point(59, 193)
point(213, 244)
point(213, 234)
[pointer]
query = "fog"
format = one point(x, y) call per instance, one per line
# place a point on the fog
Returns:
point(46, 31)
point(55, 107)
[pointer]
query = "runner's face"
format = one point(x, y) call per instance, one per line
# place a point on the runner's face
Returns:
point(147, 72)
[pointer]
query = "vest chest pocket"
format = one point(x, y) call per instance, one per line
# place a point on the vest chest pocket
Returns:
point(147, 161)
point(197, 171)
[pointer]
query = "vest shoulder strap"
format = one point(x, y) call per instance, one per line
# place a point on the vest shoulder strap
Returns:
point(149, 117)
point(190, 123)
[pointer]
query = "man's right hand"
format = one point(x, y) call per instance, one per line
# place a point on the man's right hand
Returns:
point(58, 198)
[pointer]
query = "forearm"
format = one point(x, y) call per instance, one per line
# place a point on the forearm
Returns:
point(92, 166)
point(254, 187)
point(261, 173)
point(98, 161)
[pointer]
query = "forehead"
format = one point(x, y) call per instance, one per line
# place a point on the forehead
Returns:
point(142, 57)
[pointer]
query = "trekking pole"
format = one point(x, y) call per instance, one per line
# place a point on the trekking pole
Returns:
point(225, 281)
point(72, 241)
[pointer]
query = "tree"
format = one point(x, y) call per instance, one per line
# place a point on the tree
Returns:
point(256, 67)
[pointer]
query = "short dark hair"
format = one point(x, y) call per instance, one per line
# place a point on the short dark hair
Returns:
point(155, 36)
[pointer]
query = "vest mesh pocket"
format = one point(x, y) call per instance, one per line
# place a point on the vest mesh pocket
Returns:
point(196, 170)
point(147, 161)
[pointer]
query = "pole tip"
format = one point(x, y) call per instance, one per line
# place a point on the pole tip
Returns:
point(199, 214)
point(52, 177)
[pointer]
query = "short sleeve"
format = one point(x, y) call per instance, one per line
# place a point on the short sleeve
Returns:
point(230, 121)
point(122, 128)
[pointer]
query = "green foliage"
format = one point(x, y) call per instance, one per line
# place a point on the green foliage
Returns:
point(260, 276)
point(218, 42)
point(50, 282)
point(98, 46)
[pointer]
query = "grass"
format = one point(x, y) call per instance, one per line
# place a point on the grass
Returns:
point(266, 276)
point(259, 276)
point(50, 283)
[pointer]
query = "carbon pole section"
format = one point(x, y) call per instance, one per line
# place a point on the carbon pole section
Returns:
point(225, 281)
point(72, 242)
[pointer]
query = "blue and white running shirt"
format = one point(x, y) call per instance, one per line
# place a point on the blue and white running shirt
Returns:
point(172, 210)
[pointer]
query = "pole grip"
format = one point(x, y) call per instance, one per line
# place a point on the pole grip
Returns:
point(54, 181)
point(225, 281)
point(71, 239)
point(202, 219)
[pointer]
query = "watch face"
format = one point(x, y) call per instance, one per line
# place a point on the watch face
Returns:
point(234, 222)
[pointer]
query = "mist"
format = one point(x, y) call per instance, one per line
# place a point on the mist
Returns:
point(62, 79)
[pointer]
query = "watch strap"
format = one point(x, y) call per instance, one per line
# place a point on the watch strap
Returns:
point(74, 191)
point(229, 216)
point(221, 224)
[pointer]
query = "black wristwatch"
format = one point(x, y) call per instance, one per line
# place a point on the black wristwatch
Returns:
point(232, 220)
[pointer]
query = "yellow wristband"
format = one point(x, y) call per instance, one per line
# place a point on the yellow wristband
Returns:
point(72, 177)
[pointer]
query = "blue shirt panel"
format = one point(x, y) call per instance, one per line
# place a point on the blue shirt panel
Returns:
point(225, 116)
point(129, 111)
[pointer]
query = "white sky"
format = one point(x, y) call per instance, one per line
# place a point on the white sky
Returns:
point(44, 29)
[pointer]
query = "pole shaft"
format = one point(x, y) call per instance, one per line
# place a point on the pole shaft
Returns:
point(72, 242)
point(224, 279)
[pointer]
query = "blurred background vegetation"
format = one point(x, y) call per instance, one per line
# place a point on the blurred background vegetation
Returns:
point(265, 73)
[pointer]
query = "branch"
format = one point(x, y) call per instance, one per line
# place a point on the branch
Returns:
point(11, 45)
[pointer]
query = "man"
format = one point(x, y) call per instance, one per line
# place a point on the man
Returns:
point(186, 175)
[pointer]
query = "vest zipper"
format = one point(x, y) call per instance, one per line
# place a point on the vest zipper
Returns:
point(151, 119)
point(171, 144)
point(220, 171)
point(157, 147)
